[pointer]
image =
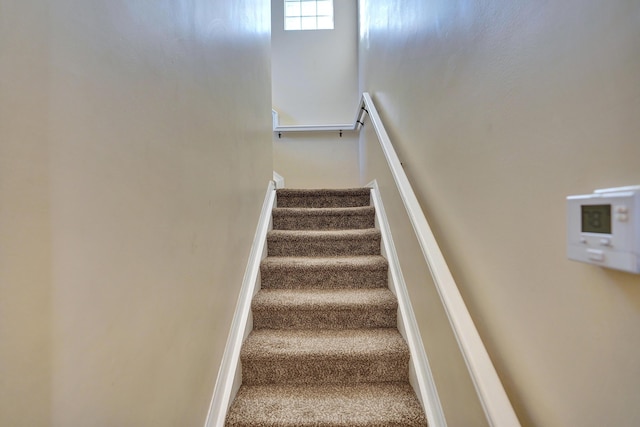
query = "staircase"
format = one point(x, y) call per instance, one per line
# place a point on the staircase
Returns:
point(325, 349)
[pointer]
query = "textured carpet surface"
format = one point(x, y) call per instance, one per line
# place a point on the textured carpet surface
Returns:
point(325, 349)
point(336, 272)
point(324, 198)
point(358, 217)
point(324, 309)
point(324, 243)
point(358, 405)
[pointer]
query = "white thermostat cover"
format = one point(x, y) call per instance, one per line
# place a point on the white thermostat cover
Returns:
point(603, 228)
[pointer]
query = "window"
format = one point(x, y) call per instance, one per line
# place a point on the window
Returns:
point(308, 14)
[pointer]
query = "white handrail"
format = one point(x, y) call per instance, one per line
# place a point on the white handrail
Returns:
point(493, 398)
point(277, 127)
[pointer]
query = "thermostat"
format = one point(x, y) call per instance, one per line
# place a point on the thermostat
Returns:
point(603, 228)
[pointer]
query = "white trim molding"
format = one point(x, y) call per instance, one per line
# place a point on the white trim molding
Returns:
point(421, 376)
point(229, 375)
point(278, 180)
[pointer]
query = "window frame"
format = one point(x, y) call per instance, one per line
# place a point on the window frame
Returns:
point(305, 15)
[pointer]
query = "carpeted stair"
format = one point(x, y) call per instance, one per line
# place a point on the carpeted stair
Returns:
point(325, 349)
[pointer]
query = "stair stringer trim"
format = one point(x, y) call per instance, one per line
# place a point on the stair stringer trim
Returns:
point(230, 373)
point(278, 179)
point(420, 375)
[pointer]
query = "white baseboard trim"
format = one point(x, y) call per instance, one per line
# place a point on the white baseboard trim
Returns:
point(278, 179)
point(229, 375)
point(421, 377)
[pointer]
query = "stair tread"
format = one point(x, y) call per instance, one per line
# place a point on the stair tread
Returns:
point(324, 343)
point(327, 299)
point(324, 234)
point(359, 405)
point(323, 243)
point(363, 271)
point(317, 218)
point(323, 198)
point(362, 261)
point(356, 210)
point(320, 192)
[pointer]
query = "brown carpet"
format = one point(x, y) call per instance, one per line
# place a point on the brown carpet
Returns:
point(325, 349)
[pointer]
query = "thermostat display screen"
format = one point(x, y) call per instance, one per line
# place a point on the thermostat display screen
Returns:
point(596, 219)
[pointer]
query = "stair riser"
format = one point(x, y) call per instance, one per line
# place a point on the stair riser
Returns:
point(324, 222)
point(323, 202)
point(322, 247)
point(325, 371)
point(324, 319)
point(379, 405)
point(306, 278)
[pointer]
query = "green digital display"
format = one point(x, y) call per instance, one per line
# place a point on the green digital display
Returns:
point(596, 219)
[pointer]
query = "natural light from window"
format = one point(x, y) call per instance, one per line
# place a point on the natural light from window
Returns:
point(308, 15)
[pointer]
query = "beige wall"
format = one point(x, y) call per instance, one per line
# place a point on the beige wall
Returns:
point(317, 160)
point(315, 73)
point(499, 110)
point(315, 81)
point(25, 212)
point(133, 137)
